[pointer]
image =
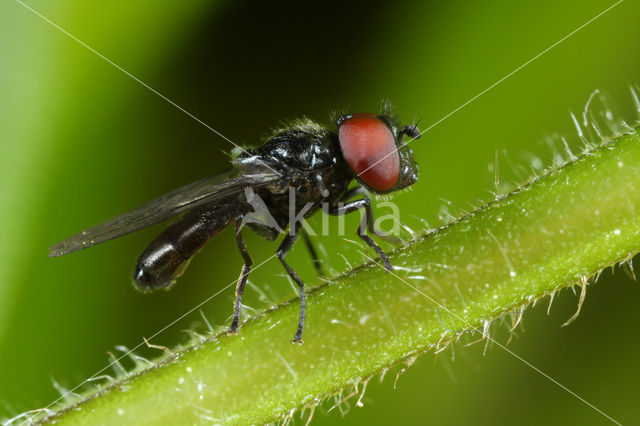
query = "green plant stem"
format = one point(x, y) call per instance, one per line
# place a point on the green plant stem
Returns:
point(552, 233)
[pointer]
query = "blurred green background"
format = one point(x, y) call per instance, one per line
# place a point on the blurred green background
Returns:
point(80, 142)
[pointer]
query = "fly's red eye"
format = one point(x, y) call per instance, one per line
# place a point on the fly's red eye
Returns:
point(369, 148)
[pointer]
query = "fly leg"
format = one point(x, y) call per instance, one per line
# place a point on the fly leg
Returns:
point(366, 222)
point(312, 251)
point(370, 219)
point(242, 280)
point(284, 248)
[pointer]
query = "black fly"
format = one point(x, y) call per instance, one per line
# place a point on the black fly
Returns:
point(298, 170)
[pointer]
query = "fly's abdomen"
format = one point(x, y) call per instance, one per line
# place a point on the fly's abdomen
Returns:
point(167, 256)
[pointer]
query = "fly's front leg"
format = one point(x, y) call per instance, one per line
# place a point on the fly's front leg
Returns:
point(366, 222)
point(284, 248)
point(242, 280)
point(370, 219)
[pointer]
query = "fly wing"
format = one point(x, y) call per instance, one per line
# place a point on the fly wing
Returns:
point(174, 203)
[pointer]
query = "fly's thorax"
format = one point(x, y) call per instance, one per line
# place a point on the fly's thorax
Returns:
point(318, 186)
point(309, 157)
point(278, 187)
point(304, 146)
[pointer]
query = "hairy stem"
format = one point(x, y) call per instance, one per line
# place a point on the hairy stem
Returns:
point(552, 233)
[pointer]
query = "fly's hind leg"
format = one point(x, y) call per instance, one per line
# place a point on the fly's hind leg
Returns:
point(284, 248)
point(366, 222)
point(242, 280)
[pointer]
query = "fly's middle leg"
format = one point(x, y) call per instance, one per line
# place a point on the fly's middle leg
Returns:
point(317, 264)
point(284, 248)
point(242, 280)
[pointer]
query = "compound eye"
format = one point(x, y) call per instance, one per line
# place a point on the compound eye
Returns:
point(369, 148)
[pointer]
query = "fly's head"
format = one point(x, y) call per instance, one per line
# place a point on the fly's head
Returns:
point(375, 148)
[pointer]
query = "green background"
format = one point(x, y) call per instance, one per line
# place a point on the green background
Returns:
point(80, 141)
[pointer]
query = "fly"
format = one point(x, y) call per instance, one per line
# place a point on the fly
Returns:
point(297, 171)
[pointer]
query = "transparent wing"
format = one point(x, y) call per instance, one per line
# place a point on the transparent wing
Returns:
point(174, 203)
